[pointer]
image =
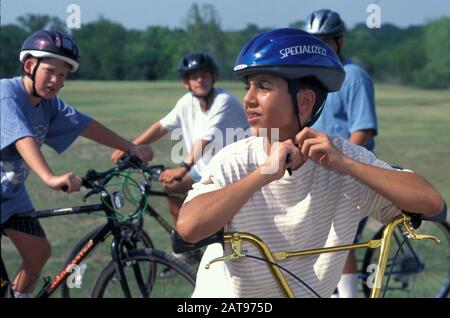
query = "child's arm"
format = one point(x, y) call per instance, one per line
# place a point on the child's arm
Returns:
point(152, 134)
point(406, 190)
point(32, 155)
point(169, 175)
point(102, 135)
point(207, 213)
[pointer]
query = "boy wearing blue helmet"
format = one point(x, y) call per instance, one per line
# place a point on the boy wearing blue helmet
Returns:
point(246, 187)
point(31, 115)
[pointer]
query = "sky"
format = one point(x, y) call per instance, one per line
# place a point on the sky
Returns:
point(234, 14)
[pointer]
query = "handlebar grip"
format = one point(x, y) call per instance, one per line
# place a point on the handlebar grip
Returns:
point(180, 246)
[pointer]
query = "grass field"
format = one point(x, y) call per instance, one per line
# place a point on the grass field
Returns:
point(414, 132)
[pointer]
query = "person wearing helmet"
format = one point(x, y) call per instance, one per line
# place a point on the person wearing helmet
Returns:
point(349, 113)
point(332, 185)
point(201, 116)
point(32, 114)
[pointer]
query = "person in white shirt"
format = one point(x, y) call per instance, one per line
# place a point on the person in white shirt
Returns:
point(333, 184)
point(208, 118)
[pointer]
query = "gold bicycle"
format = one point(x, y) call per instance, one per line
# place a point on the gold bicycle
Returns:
point(384, 244)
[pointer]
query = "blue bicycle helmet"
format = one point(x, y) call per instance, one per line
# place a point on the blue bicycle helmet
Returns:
point(292, 54)
point(325, 22)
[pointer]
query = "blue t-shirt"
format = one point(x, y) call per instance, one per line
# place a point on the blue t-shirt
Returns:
point(352, 108)
point(52, 122)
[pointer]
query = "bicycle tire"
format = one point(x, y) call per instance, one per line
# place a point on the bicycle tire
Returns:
point(410, 277)
point(180, 285)
point(67, 292)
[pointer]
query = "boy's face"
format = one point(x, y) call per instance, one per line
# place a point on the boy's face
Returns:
point(268, 104)
point(200, 82)
point(50, 75)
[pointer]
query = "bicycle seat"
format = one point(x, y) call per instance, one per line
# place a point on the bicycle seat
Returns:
point(180, 246)
point(439, 218)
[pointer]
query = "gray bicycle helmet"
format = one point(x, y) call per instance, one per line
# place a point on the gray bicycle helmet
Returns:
point(325, 22)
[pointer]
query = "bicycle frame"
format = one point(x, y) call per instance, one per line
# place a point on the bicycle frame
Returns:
point(236, 240)
point(110, 227)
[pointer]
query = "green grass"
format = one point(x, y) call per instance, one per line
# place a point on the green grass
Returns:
point(414, 132)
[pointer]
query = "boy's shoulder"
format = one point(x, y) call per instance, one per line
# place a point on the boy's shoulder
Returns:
point(223, 95)
point(10, 87)
point(355, 73)
point(352, 150)
point(241, 150)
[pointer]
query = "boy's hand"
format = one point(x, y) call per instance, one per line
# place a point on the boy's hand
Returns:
point(277, 163)
point(117, 155)
point(318, 147)
point(143, 152)
point(170, 175)
point(69, 180)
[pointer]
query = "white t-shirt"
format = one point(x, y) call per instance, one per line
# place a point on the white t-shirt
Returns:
point(217, 124)
point(311, 209)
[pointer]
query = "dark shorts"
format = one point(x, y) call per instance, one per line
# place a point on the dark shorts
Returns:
point(29, 226)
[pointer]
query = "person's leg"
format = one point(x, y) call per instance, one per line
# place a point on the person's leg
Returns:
point(348, 284)
point(29, 239)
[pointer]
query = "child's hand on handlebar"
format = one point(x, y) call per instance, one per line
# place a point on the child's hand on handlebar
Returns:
point(69, 182)
point(117, 155)
point(143, 152)
point(170, 175)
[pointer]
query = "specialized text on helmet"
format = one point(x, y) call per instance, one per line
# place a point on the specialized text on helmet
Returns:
point(302, 49)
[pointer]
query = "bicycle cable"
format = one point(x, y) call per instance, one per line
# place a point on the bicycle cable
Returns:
point(392, 267)
point(141, 205)
point(287, 271)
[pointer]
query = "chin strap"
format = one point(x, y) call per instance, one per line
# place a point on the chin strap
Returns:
point(32, 76)
point(293, 92)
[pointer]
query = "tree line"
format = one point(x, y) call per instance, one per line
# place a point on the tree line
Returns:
point(416, 55)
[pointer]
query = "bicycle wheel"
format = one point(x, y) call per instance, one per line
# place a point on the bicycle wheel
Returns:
point(179, 285)
point(93, 264)
point(422, 268)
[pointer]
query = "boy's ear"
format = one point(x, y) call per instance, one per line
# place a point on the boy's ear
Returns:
point(305, 101)
point(29, 65)
point(185, 81)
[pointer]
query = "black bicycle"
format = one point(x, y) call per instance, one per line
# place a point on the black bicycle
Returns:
point(92, 266)
point(131, 272)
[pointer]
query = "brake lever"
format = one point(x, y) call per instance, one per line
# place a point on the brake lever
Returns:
point(87, 195)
